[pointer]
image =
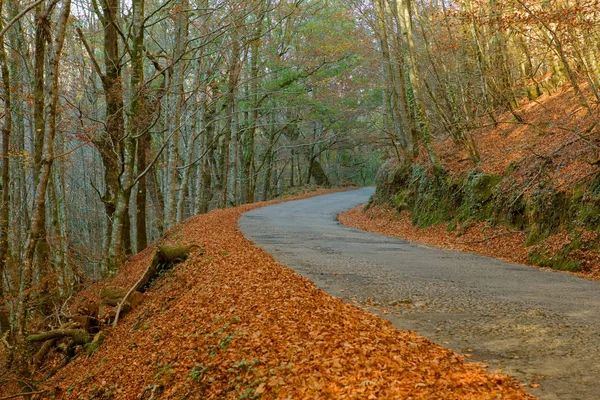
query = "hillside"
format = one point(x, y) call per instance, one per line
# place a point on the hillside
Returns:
point(233, 323)
point(533, 197)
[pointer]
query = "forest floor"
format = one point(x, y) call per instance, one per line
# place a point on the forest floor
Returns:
point(232, 323)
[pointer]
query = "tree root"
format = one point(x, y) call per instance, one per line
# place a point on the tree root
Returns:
point(164, 257)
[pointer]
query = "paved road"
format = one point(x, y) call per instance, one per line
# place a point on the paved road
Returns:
point(538, 325)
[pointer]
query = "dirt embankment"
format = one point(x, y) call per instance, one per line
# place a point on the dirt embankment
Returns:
point(233, 323)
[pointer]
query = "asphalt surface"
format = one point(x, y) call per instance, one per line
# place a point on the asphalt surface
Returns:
point(539, 326)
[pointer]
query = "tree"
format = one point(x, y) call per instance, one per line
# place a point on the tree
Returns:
point(50, 119)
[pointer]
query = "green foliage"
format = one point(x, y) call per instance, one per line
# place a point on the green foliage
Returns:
point(249, 393)
point(163, 370)
point(92, 347)
point(245, 365)
point(226, 340)
point(197, 372)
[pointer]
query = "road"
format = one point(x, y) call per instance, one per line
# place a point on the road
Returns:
point(537, 325)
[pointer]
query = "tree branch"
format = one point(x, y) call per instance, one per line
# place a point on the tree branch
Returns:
point(14, 396)
point(89, 51)
point(19, 16)
point(79, 335)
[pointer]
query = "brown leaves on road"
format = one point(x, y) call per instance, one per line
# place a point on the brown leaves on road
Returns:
point(235, 324)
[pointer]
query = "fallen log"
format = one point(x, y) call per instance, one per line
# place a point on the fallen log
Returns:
point(79, 336)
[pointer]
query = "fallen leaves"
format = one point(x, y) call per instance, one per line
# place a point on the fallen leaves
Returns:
point(233, 323)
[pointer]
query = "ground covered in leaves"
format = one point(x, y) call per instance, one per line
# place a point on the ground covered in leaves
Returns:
point(232, 323)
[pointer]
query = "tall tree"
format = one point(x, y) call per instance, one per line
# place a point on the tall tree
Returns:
point(55, 48)
point(5, 179)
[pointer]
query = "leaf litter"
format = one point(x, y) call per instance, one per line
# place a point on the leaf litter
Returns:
point(233, 323)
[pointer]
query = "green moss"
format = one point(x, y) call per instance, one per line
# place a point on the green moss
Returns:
point(559, 262)
point(483, 186)
point(401, 199)
point(533, 236)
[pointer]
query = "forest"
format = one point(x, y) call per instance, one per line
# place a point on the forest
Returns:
point(122, 119)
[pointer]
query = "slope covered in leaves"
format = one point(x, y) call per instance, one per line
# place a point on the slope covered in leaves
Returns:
point(233, 323)
point(556, 133)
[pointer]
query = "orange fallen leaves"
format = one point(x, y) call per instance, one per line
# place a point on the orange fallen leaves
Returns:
point(233, 323)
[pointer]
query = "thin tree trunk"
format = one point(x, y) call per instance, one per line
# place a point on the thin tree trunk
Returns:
point(5, 180)
point(139, 120)
point(415, 79)
point(206, 181)
point(158, 201)
point(39, 104)
point(178, 86)
point(183, 187)
point(39, 209)
point(141, 229)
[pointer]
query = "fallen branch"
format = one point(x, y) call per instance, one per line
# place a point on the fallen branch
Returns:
point(78, 335)
point(14, 396)
point(40, 356)
point(154, 390)
point(118, 312)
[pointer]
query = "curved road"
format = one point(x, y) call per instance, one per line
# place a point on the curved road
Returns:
point(537, 325)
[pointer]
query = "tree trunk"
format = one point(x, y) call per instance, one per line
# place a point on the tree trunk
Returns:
point(39, 102)
point(178, 87)
point(405, 12)
point(110, 142)
point(158, 201)
point(5, 181)
point(54, 54)
point(139, 119)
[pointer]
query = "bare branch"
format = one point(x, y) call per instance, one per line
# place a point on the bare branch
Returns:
point(19, 16)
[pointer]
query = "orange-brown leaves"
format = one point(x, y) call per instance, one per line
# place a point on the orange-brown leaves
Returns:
point(233, 323)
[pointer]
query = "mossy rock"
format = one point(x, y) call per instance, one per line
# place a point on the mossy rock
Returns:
point(484, 186)
point(434, 197)
point(588, 213)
